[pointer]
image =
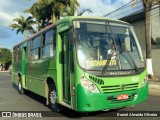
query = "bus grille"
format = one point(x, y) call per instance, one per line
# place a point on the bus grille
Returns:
point(96, 80)
point(117, 88)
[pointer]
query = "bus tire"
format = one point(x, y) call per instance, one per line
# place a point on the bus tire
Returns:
point(52, 96)
point(20, 87)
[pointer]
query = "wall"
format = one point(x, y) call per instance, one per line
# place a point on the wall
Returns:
point(155, 24)
point(139, 27)
point(156, 60)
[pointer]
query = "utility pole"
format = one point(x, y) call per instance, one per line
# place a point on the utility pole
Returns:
point(147, 9)
point(147, 5)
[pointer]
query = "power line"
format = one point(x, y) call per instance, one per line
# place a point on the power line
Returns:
point(134, 9)
point(122, 7)
point(134, 12)
point(117, 9)
point(125, 12)
point(151, 17)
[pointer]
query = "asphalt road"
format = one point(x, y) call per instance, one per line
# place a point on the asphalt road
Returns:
point(11, 100)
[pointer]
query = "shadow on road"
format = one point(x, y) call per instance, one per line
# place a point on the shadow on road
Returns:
point(32, 95)
point(66, 112)
point(73, 114)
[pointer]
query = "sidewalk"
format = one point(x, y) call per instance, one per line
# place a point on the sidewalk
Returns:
point(154, 83)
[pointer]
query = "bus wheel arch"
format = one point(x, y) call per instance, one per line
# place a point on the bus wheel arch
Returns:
point(51, 95)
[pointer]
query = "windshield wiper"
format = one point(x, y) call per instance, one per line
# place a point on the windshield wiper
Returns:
point(128, 60)
point(112, 52)
point(130, 57)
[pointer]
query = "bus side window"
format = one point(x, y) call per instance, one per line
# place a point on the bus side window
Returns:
point(49, 44)
point(19, 53)
point(36, 45)
point(29, 50)
point(15, 53)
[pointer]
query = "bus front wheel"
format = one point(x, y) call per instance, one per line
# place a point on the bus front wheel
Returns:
point(53, 105)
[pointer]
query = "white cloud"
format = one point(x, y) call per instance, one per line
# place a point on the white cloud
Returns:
point(7, 19)
point(102, 7)
point(10, 9)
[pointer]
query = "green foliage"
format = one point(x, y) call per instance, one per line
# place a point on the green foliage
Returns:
point(23, 25)
point(42, 13)
point(53, 8)
point(73, 9)
point(5, 57)
point(45, 12)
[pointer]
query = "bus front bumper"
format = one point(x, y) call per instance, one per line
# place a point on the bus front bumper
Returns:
point(87, 101)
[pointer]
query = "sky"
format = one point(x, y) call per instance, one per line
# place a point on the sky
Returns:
point(10, 9)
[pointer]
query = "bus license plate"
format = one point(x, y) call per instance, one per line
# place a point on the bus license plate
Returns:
point(122, 97)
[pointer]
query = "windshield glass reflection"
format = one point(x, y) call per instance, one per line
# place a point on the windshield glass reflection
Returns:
point(108, 44)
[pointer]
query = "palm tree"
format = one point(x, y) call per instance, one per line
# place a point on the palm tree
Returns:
point(57, 7)
point(72, 9)
point(23, 25)
point(47, 11)
point(42, 13)
point(147, 8)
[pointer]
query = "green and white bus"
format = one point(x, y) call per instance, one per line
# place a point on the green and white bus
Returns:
point(83, 63)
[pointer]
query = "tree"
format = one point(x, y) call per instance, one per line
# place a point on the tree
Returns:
point(72, 9)
point(38, 12)
point(57, 7)
point(5, 58)
point(53, 8)
point(23, 25)
point(147, 8)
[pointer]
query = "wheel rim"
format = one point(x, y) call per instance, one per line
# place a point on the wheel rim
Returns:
point(53, 97)
point(19, 86)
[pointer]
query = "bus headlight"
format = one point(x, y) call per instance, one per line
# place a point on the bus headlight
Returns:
point(144, 81)
point(89, 85)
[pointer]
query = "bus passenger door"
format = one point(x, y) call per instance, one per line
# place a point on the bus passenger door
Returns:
point(65, 68)
point(24, 66)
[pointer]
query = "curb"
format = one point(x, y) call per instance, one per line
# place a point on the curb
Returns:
point(154, 83)
point(4, 71)
point(156, 79)
point(154, 87)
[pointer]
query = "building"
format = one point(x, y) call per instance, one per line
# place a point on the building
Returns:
point(138, 21)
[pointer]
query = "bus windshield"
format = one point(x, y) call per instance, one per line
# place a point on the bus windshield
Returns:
point(107, 45)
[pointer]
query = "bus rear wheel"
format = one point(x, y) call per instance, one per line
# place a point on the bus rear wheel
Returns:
point(53, 105)
point(20, 88)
